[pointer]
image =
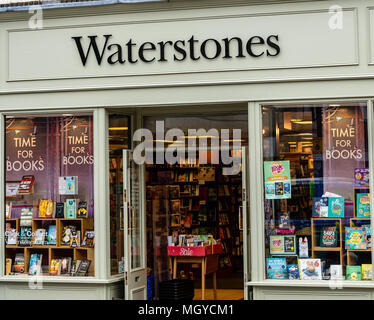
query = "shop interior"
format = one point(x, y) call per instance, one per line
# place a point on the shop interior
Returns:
point(188, 201)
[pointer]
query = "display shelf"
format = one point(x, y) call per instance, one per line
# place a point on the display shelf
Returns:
point(317, 248)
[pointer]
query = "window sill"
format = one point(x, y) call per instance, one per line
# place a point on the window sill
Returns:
point(330, 284)
point(57, 279)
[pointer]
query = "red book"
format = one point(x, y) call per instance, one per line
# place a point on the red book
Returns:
point(26, 184)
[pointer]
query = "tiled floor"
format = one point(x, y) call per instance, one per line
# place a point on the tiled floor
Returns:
point(222, 294)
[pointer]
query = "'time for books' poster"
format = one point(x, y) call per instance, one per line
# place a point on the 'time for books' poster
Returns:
point(277, 179)
point(344, 147)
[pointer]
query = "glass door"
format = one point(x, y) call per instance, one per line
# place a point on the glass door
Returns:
point(135, 271)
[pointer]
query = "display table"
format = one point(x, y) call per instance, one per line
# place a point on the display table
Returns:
point(207, 257)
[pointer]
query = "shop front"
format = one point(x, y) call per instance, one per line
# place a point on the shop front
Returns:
point(131, 134)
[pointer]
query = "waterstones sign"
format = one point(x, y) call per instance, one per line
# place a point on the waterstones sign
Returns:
point(243, 41)
point(194, 49)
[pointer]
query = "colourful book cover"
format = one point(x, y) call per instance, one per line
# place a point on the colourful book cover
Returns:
point(293, 272)
point(355, 238)
point(276, 268)
point(25, 238)
point(363, 205)
point(310, 269)
point(51, 237)
point(35, 264)
point(328, 237)
point(361, 176)
point(276, 245)
point(353, 273)
point(26, 216)
point(366, 272)
point(320, 207)
point(71, 208)
point(367, 234)
point(336, 207)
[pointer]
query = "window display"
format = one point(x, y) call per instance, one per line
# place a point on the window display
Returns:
point(316, 192)
point(49, 195)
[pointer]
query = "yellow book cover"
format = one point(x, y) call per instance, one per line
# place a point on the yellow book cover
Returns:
point(54, 268)
point(49, 209)
point(8, 266)
point(366, 272)
point(42, 208)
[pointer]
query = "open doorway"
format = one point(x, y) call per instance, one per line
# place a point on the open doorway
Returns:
point(194, 198)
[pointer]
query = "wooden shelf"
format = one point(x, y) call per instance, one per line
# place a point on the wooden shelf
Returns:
point(326, 249)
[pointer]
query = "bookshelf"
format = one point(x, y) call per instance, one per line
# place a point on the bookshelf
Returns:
point(51, 251)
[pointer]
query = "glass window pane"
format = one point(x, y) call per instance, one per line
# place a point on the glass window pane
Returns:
point(49, 223)
point(317, 210)
point(118, 140)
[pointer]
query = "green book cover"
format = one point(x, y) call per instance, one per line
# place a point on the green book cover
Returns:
point(328, 237)
point(353, 272)
point(363, 205)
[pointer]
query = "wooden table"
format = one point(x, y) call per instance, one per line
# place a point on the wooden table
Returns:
point(209, 264)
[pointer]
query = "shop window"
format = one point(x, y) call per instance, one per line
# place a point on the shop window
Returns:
point(316, 192)
point(118, 140)
point(49, 192)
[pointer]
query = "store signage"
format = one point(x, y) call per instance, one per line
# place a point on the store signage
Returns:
point(277, 179)
point(179, 50)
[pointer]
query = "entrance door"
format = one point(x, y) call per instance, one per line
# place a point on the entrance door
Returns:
point(135, 270)
point(245, 223)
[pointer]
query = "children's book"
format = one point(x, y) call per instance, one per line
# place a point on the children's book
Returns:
point(51, 237)
point(336, 207)
point(68, 185)
point(42, 208)
point(26, 216)
point(303, 247)
point(363, 205)
point(276, 268)
point(328, 237)
point(35, 264)
point(320, 207)
point(353, 272)
point(366, 272)
point(355, 238)
point(55, 267)
point(8, 266)
point(361, 176)
point(367, 234)
point(50, 209)
point(39, 237)
point(25, 237)
point(282, 244)
point(310, 269)
point(336, 271)
point(293, 272)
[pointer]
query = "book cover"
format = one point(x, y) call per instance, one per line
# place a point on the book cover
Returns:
point(71, 208)
point(26, 216)
point(82, 209)
point(60, 210)
point(293, 272)
point(320, 207)
point(276, 268)
point(11, 235)
point(361, 177)
point(366, 272)
point(8, 266)
point(42, 208)
point(25, 237)
point(65, 266)
point(336, 271)
point(75, 239)
point(336, 207)
point(19, 263)
point(11, 188)
point(8, 210)
point(303, 247)
point(282, 245)
point(49, 209)
point(40, 236)
point(310, 269)
point(55, 267)
point(74, 267)
point(328, 236)
point(363, 205)
point(367, 234)
point(89, 239)
point(66, 235)
point(51, 237)
point(355, 238)
point(26, 184)
point(353, 272)
point(83, 268)
point(68, 185)
point(35, 264)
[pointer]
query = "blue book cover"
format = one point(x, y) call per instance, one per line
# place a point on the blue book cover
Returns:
point(51, 238)
point(355, 238)
point(363, 205)
point(276, 268)
point(336, 207)
point(293, 272)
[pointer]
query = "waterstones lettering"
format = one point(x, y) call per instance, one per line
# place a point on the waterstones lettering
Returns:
point(179, 50)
